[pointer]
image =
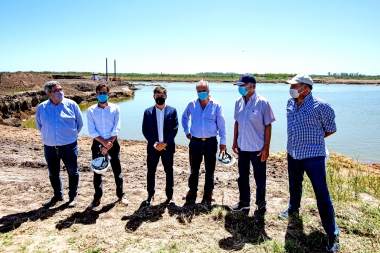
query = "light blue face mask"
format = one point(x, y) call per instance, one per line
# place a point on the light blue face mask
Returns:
point(203, 95)
point(242, 90)
point(102, 98)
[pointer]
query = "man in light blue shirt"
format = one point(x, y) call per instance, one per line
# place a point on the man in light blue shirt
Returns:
point(104, 126)
point(59, 120)
point(207, 121)
point(252, 134)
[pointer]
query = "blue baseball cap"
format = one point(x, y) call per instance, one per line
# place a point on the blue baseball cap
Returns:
point(246, 78)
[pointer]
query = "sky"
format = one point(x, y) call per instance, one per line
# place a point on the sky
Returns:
point(188, 37)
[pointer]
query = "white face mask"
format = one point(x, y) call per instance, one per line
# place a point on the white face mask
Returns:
point(294, 93)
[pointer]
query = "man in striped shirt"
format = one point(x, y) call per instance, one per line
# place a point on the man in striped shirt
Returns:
point(310, 120)
point(252, 134)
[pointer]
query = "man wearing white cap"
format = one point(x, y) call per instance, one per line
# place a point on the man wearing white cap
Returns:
point(309, 121)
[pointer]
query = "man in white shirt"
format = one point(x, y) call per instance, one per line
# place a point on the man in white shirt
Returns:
point(104, 126)
point(160, 126)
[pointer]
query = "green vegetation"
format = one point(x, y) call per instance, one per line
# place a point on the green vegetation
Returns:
point(210, 76)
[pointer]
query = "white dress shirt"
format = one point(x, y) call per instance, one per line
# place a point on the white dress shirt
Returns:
point(160, 115)
point(103, 122)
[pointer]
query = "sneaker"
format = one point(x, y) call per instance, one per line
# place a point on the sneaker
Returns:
point(72, 202)
point(333, 245)
point(52, 202)
point(190, 198)
point(241, 207)
point(123, 201)
point(286, 213)
point(93, 204)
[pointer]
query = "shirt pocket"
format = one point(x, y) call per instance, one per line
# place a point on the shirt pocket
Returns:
point(255, 116)
point(68, 119)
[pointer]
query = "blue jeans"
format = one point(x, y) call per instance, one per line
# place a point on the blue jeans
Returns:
point(69, 155)
point(259, 173)
point(316, 171)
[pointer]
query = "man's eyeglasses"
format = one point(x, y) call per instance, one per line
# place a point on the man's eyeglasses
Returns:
point(102, 93)
point(57, 90)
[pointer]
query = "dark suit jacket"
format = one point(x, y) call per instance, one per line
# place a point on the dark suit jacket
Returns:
point(150, 130)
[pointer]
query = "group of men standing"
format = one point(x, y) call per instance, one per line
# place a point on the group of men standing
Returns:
point(309, 121)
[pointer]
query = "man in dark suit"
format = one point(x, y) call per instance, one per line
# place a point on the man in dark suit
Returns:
point(160, 126)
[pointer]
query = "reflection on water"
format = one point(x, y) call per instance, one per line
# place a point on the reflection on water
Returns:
point(357, 122)
point(31, 123)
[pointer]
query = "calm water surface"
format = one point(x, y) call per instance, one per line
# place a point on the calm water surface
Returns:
point(357, 109)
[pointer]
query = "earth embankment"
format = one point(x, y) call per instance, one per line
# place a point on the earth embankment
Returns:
point(21, 92)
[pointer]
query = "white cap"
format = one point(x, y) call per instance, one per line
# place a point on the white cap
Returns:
point(301, 78)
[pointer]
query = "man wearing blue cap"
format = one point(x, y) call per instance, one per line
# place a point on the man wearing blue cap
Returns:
point(252, 134)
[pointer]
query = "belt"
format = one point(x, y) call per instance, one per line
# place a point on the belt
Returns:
point(62, 146)
point(203, 139)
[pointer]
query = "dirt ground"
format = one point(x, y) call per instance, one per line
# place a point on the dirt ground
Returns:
point(25, 226)
point(25, 186)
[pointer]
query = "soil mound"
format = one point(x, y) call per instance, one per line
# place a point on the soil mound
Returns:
point(21, 81)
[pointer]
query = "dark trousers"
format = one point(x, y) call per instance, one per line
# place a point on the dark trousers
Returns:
point(114, 153)
point(69, 156)
point(259, 173)
point(153, 158)
point(197, 150)
point(316, 171)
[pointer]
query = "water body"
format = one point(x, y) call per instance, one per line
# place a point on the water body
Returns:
point(357, 109)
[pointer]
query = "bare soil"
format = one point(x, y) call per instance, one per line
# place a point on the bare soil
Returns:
point(26, 226)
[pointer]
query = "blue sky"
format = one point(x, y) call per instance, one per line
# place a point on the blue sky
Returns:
point(169, 36)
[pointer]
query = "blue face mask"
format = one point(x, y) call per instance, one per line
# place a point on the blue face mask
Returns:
point(102, 98)
point(242, 90)
point(203, 95)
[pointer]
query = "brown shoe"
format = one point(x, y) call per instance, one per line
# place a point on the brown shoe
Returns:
point(93, 204)
point(123, 201)
point(190, 196)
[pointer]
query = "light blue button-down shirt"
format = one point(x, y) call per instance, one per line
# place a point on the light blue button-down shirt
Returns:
point(59, 124)
point(103, 122)
point(205, 123)
point(252, 119)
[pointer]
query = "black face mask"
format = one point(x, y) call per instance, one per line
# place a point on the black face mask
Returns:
point(160, 101)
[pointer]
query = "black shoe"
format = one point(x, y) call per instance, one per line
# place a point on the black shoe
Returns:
point(72, 202)
point(93, 204)
point(261, 211)
point(52, 202)
point(207, 199)
point(169, 201)
point(149, 201)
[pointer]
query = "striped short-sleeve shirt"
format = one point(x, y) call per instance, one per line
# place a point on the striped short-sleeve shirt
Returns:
point(307, 125)
point(252, 117)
